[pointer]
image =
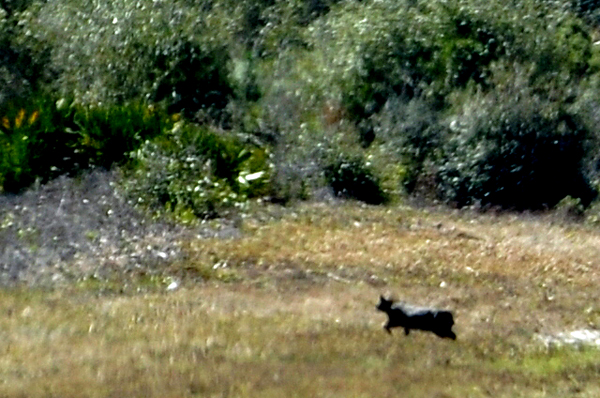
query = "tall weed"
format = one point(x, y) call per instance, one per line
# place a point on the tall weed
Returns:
point(43, 139)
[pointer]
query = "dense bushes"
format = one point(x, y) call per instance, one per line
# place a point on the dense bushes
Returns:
point(194, 171)
point(468, 101)
point(130, 50)
point(352, 178)
point(432, 48)
point(520, 153)
point(505, 74)
point(41, 139)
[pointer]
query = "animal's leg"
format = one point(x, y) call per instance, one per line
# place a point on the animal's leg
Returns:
point(387, 328)
point(406, 331)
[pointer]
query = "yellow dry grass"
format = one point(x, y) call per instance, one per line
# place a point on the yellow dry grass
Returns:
point(287, 310)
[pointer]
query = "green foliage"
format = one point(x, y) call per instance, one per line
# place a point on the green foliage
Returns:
point(472, 97)
point(404, 66)
point(430, 48)
point(351, 177)
point(185, 53)
point(570, 208)
point(196, 171)
point(105, 135)
point(11, 7)
point(116, 51)
point(411, 134)
point(14, 166)
point(32, 139)
point(22, 71)
point(270, 27)
point(518, 152)
point(42, 139)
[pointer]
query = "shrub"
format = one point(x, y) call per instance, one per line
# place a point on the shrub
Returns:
point(351, 177)
point(106, 134)
point(377, 50)
point(14, 155)
point(118, 51)
point(41, 139)
point(404, 66)
point(22, 71)
point(410, 133)
point(516, 151)
point(34, 142)
point(196, 171)
point(312, 80)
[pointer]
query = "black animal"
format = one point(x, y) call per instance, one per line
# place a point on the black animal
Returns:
point(429, 319)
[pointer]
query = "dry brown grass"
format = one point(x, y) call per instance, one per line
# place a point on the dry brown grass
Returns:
point(288, 310)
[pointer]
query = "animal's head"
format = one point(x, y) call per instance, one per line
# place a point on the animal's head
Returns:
point(384, 304)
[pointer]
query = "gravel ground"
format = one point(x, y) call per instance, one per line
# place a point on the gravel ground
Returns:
point(72, 228)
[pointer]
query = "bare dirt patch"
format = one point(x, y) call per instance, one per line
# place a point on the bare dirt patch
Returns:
point(80, 228)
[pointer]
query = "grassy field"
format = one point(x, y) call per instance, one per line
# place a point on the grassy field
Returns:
point(288, 310)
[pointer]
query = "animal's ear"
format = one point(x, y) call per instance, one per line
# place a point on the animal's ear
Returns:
point(385, 299)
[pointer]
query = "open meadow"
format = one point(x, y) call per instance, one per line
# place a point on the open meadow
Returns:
point(208, 198)
point(287, 309)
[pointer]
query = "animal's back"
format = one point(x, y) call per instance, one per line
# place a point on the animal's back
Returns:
point(409, 317)
point(411, 310)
